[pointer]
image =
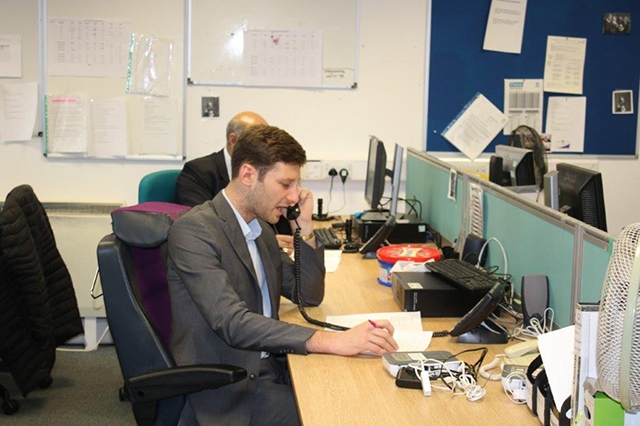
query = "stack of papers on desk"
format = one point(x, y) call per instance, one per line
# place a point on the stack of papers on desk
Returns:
point(407, 325)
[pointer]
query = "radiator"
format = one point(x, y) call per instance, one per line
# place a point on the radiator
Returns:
point(78, 228)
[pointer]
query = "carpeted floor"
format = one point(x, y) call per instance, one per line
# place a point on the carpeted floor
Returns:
point(84, 392)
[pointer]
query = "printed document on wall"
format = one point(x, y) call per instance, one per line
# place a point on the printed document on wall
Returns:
point(87, 47)
point(565, 123)
point(523, 103)
point(505, 26)
point(564, 64)
point(18, 110)
point(10, 55)
point(155, 126)
point(108, 125)
point(282, 58)
point(66, 119)
point(475, 126)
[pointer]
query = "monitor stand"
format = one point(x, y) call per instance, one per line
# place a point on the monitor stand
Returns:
point(488, 332)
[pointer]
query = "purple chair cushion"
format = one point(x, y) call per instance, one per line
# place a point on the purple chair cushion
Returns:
point(144, 228)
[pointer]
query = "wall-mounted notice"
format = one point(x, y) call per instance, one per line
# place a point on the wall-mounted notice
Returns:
point(88, 47)
point(564, 64)
point(475, 126)
point(282, 58)
point(10, 56)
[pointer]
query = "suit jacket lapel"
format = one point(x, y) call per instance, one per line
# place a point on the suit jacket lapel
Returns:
point(234, 233)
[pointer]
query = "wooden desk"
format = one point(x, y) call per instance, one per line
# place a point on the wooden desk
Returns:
point(334, 390)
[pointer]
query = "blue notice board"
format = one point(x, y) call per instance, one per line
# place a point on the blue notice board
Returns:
point(458, 67)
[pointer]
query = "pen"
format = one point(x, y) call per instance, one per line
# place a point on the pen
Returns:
point(374, 324)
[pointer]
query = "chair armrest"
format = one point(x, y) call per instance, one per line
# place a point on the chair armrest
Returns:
point(176, 381)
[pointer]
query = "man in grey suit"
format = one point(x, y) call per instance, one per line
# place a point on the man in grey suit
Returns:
point(226, 276)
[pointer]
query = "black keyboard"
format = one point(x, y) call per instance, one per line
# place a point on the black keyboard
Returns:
point(329, 237)
point(463, 274)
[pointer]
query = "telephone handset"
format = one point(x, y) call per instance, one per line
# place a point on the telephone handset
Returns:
point(521, 349)
point(293, 212)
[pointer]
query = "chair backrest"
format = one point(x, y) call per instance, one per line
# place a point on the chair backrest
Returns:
point(134, 284)
point(158, 186)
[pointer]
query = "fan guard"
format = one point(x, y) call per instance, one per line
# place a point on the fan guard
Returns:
point(527, 137)
point(618, 338)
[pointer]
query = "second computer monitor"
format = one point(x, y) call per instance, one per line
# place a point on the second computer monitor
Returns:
point(512, 166)
point(375, 181)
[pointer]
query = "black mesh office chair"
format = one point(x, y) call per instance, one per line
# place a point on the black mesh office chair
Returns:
point(134, 285)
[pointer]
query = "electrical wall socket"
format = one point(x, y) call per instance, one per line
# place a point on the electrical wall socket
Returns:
point(312, 170)
point(328, 165)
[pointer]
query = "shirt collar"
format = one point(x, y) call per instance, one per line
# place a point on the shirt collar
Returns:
point(251, 230)
point(227, 161)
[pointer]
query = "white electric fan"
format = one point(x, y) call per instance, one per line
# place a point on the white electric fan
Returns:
point(527, 137)
point(618, 339)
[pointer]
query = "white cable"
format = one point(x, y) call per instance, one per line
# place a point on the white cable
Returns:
point(91, 349)
point(504, 254)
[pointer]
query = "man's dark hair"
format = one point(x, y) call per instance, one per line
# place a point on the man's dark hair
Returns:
point(263, 146)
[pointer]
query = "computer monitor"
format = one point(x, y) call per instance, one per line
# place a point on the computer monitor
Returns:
point(375, 179)
point(581, 194)
point(376, 171)
point(512, 166)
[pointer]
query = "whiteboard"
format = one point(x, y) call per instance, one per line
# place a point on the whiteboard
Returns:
point(216, 29)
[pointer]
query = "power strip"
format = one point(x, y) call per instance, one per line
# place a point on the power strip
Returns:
point(432, 360)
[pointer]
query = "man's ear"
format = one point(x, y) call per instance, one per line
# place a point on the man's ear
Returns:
point(247, 174)
point(233, 138)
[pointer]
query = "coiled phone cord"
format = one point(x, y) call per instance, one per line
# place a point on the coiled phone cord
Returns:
point(296, 265)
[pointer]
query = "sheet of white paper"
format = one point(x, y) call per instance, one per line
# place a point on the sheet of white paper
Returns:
point(558, 361)
point(505, 26)
point(332, 260)
point(565, 123)
point(158, 131)
point(108, 122)
point(18, 106)
point(67, 121)
point(475, 126)
point(282, 58)
point(523, 104)
point(401, 321)
point(10, 55)
point(564, 64)
point(409, 341)
point(88, 47)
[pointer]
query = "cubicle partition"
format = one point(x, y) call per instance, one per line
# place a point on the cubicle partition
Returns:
point(536, 239)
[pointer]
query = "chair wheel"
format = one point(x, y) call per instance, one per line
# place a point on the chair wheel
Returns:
point(45, 383)
point(122, 394)
point(10, 406)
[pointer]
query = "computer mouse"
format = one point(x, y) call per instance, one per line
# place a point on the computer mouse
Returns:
point(351, 247)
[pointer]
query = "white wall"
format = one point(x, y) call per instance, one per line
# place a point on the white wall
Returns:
point(331, 124)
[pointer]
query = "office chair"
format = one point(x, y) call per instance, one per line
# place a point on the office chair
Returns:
point(158, 186)
point(134, 284)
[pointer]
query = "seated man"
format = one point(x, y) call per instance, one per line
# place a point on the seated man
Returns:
point(202, 178)
point(226, 276)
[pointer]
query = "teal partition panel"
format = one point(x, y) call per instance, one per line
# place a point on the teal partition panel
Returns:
point(533, 246)
point(430, 185)
point(594, 268)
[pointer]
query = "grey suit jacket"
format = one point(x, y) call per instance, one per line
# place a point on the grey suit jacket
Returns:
point(216, 304)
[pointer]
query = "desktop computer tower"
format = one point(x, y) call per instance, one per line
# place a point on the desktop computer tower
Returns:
point(408, 229)
point(431, 295)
